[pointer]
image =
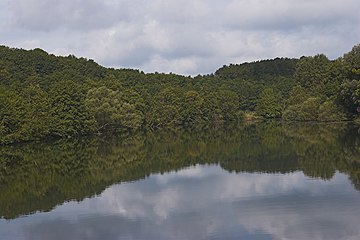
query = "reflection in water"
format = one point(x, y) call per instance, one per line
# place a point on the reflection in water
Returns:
point(205, 202)
point(258, 182)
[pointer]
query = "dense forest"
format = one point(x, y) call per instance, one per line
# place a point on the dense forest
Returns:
point(48, 96)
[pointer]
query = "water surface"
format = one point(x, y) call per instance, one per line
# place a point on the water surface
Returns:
point(263, 181)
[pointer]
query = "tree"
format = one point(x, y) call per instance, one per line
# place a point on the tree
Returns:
point(115, 108)
point(349, 97)
point(329, 112)
point(292, 113)
point(69, 115)
point(297, 96)
point(37, 123)
point(352, 62)
point(165, 108)
point(312, 72)
point(192, 109)
point(268, 105)
point(229, 105)
point(309, 110)
point(305, 111)
point(12, 116)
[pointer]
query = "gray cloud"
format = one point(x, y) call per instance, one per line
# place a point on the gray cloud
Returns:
point(290, 15)
point(186, 37)
point(78, 15)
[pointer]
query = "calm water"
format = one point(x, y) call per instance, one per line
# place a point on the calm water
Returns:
point(263, 181)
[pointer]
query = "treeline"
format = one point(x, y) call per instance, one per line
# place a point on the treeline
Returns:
point(42, 95)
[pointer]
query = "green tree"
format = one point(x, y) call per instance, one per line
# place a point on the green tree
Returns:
point(305, 111)
point(309, 110)
point(37, 123)
point(349, 97)
point(192, 109)
point(329, 112)
point(12, 116)
point(352, 62)
point(115, 108)
point(292, 113)
point(229, 105)
point(313, 72)
point(297, 96)
point(268, 105)
point(165, 108)
point(69, 115)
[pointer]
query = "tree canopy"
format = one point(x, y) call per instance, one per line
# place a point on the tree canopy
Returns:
point(43, 95)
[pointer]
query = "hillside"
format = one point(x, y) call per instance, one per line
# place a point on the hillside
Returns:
point(43, 95)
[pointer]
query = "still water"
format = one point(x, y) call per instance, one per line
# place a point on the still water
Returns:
point(258, 181)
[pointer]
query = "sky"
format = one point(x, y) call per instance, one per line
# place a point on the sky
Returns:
point(181, 36)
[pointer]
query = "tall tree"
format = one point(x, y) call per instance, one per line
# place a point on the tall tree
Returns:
point(352, 61)
point(115, 108)
point(268, 105)
point(69, 115)
point(312, 73)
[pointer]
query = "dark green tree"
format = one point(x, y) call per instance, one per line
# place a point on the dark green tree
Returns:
point(115, 108)
point(192, 109)
point(12, 116)
point(313, 72)
point(330, 112)
point(38, 119)
point(268, 105)
point(352, 62)
point(165, 108)
point(69, 115)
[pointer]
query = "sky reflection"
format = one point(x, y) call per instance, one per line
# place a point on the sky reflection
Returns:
point(204, 202)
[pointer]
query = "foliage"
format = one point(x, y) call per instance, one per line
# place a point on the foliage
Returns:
point(69, 116)
point(192, 111)
point(12, 116)
point(115, 108)
point(260, 70)
point(43, 95)
point(312, 71)
point(297, 95)
point(305, 111)
point(349, 97)
point(24, 117)
point(269, 104)
point(329, 112)
point(165, 108)
point(352, 62)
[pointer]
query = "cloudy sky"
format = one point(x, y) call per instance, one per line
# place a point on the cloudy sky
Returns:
point(181, 36)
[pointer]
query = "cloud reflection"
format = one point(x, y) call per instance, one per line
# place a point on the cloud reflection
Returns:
point(205, 202)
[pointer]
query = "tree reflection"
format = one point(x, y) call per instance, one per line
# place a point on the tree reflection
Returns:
point(39, 176)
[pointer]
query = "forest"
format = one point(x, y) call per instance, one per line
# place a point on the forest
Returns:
point(48, 96)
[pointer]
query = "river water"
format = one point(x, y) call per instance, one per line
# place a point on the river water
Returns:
point(256, 181)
